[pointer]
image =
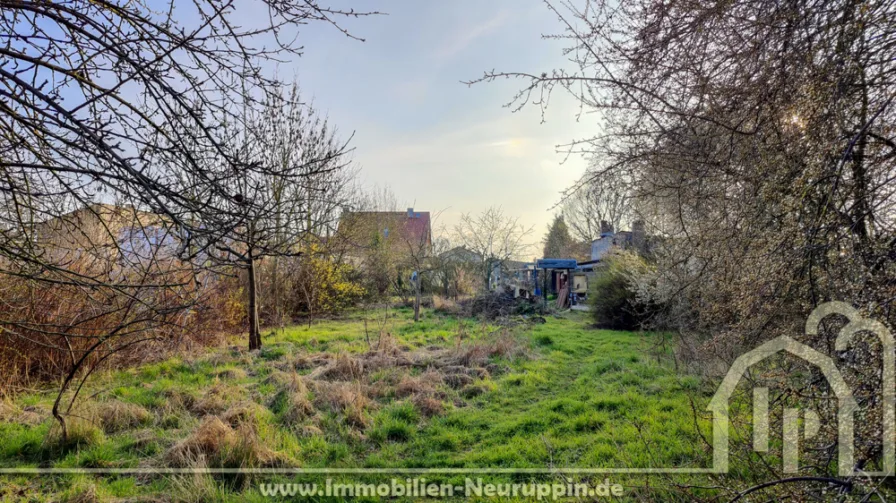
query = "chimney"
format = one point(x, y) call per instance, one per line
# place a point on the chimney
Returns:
point(605, 228)
point(410, 212)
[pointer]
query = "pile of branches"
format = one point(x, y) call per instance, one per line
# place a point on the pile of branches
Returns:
point(499, 304)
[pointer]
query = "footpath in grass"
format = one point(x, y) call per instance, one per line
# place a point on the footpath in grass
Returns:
point(441, 393)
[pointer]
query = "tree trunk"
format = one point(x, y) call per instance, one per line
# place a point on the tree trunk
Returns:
point(254, 330)
point(310, 311)
point(275, 290)
point(417, 298)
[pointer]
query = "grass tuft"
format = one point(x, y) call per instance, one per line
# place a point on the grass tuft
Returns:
point(81, 432)
point(118, 416)
point(216, 400)
point(88, 494)
point(216, 444)
point(232, 374)
point(343, 368)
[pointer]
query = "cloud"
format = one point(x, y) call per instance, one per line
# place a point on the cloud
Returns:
point(460, 167)
point(463, 38)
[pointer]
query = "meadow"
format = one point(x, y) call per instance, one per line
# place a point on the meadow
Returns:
point(370, 390)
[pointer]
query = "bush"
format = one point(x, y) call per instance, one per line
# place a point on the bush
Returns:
point(613, 298)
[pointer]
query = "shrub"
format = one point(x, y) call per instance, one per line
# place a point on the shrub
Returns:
point(613, 297)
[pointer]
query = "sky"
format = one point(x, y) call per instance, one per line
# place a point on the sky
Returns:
point(440, 145)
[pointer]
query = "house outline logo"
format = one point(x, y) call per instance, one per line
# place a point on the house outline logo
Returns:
point(846, 403)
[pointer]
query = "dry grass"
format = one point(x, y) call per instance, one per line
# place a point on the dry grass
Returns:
point(11, 413)
point(428, 406)
point(290, 363)
point(423, 384)
point(386, 345)
point(195, 488)
point(243, 413)
point(176, 399)
point(348, 399)
point(309, 430)
point(446, 305)
point(216, 400)
point(477, 354)
point(338, 396)
point(233, 374)
point(216, 444)
point(117, 416)
point(219, 358)
point(346, 384)
point(8, 410)
point(210, 438)
point(290, 381)
point(298, 408)
point(344, 367)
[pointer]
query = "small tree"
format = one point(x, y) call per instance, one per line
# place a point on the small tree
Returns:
point(558, 242)
point(289, 157)
point(493, 237)
point(422, 253)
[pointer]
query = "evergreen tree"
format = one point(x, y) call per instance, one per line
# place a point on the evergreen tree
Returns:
point(558, 242)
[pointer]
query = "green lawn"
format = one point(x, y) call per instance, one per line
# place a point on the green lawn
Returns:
point(551, 395)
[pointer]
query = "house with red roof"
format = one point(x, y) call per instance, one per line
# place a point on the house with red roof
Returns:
point(400, 233)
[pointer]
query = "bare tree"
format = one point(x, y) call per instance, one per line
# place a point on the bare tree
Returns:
point(96, 98)
point(756, 138)
point(307, 205)
point(276, 199)
point(601, 198)
point(422, 250)
point(493, 237)
point(377, 198)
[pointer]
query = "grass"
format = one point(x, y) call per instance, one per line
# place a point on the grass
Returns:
point(558, 394)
